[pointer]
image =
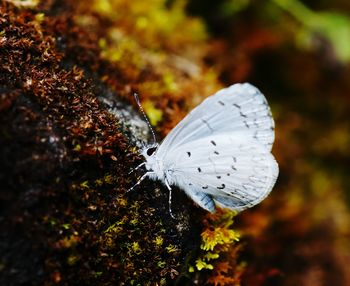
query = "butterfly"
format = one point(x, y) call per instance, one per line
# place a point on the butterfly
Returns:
point(220, 153)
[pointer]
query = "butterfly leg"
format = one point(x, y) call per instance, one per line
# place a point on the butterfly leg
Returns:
point(137, 167)
point(170, 192)
point(139, 181)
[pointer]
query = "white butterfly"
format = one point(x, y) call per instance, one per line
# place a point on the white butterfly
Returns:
point(220, 153)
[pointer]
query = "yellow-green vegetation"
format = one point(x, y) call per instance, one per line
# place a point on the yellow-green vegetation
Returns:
point(144, 44)
point(154, 114)
point(120, 236)
point(219, 249)
point(126, 240)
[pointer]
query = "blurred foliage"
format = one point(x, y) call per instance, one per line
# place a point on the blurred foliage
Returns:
point(307, 25)
point(332, 26)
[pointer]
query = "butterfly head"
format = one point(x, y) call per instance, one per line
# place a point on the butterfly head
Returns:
point(149, 152)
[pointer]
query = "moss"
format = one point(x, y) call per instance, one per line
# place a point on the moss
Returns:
point(164, 65)
point(218, 257)
point(67, 72)
point(74, 155)
point(155, 115)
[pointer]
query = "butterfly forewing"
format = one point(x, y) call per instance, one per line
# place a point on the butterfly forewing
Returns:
point(239, 108)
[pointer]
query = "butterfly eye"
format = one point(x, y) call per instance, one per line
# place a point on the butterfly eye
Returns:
point(151, 150)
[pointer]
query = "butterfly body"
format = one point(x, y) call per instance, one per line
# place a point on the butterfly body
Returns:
point(219, 154)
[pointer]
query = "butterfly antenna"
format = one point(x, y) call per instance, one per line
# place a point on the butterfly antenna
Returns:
point(146, 118)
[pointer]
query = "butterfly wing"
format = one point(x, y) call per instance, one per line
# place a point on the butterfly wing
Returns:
point(239, 108)
point(237, 172)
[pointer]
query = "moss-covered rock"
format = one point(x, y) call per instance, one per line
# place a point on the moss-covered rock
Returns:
point(68, 141)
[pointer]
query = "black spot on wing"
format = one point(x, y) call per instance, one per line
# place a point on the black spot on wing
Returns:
point(189, 154)
point(216, 152)
point(221, 187)
point(220, 102)
point(199, 169)
point(205, 187)
point(243, 115)
point(213, 142)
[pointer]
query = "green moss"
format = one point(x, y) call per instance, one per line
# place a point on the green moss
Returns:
point(158, 241)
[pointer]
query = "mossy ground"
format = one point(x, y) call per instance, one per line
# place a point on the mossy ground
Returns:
point(65, 163)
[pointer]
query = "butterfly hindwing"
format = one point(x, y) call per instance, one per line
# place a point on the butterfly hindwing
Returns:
point(236, 171)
